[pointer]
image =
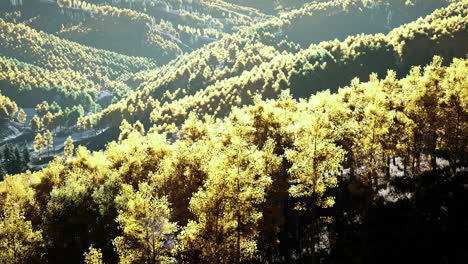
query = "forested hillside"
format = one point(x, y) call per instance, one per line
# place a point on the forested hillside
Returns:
point(442, 33)
point(233, 131)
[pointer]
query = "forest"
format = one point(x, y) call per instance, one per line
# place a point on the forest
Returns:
point(233, 131)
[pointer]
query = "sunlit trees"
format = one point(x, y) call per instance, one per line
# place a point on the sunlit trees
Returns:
point(39, 144)
point(36, 123)
point(94, 256)
point(22, 116)
point(48, 140)
point(53, 53)
point(147, 234)
point(226, 226)
point(69, 148)
point(453, 110)
point(42, 108)
point(48, 120)
point(8, 108)
point(19, 242)
point(306, 72)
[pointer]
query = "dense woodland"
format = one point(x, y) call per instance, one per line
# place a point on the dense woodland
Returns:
point(233, 131)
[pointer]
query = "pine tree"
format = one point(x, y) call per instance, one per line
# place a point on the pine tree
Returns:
point(3, 172)
point(26, 157)
point(17, 161)
point(8, 157)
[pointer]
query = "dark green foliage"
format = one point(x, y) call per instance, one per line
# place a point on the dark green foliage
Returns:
point(14, 161)
point(26, 157)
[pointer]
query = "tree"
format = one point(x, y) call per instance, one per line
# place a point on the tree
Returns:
point(42, 108)
point(55, 108)
point(17, 161)
point(147, 234)
point(225, 229)
point(125, 130)
point(94, 256)
point(19, 243)
point(425, 109)
point(47, 120)
point(22, 116)
point(26, 157)
point(138, 126)
point(48, 140)
point(3, 172)
point(454, 112)
point(39, 144)
point(8, 157)
point(35, 123)
point(74, 114)
point(8, 108)
point(69, 148)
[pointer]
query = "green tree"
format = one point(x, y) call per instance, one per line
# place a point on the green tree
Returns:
point(8, 157)
point(17, 161)
point(26, 157)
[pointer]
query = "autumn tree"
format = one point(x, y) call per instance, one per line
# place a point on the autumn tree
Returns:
point(39, 144)
point(147, 234)
point(35, 123)
point(19, 242)
point(48, 140)
point(68, 148)
point(8, 108)
point(47, 120)
point(227, 216)
point(22, 116)
point(94, 256)
point(42, 108)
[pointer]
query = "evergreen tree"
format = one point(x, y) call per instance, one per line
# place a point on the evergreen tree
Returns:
point(17, 162)
point(8, 158)
point(26, 157)
point(3, 172)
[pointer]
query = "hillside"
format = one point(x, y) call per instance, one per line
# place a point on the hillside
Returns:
point(305, 72)
point(233, 131)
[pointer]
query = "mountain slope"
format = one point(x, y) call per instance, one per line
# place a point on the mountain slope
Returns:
point(305, 72)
